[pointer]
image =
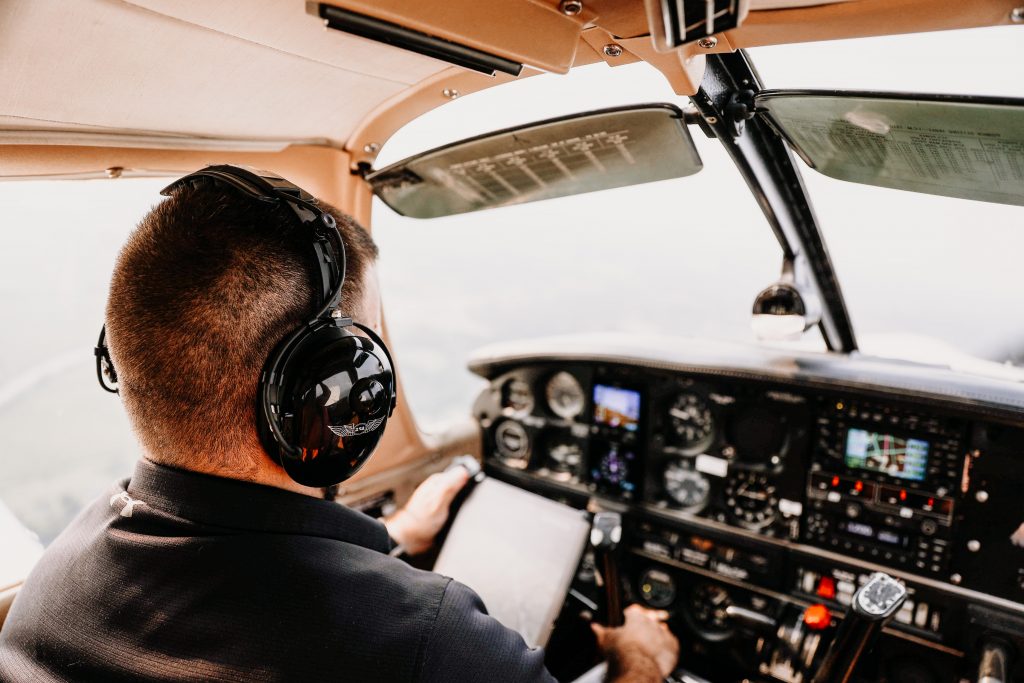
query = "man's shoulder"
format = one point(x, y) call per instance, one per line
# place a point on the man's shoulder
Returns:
point(337, 563)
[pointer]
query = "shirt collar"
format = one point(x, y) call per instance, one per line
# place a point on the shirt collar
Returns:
point(244, 506)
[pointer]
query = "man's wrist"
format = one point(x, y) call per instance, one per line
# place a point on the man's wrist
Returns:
point(401, 533)
point(628, 663)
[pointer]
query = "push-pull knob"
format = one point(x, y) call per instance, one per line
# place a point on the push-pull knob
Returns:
point(873, 606)
point(754, 621)
point(994, 664)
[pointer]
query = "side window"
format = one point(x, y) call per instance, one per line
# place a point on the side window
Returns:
point(63, 441)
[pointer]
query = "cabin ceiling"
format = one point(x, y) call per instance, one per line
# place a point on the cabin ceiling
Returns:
point(260, 75)
point(249, 69)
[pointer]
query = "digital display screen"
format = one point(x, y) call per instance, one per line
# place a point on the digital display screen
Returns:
point(882, 535)
point(616, 407)
point(888, 454)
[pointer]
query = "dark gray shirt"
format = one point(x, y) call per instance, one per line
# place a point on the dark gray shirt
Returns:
point(174, 575)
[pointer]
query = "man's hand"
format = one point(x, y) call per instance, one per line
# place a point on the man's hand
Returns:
point(642, 649)
point(415, 525)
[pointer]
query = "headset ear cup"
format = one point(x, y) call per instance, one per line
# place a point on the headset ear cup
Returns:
point(391, 364)
point(325, 401)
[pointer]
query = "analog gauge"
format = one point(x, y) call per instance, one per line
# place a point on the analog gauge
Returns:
point(708, 611)
point(751, 499)
point(690, 423)
point(657, 589)
point(564, 454)
point(512, 443)
point(517, 396)
point(686, 486)
point(758, 434)
point(564, 395)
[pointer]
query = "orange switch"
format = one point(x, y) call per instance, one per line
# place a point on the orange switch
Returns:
point(817, 617)
point(827, 588)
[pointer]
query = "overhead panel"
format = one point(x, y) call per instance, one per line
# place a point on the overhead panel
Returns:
point(286, 27)
point(527, 32)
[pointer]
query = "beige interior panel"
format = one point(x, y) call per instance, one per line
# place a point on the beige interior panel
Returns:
point(789, 4)
point(532, 33)
point(285, 26)
point(106, 64)
point(380, 124)
point(864, 18)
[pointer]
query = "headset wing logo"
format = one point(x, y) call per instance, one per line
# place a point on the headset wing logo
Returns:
point(345, 431)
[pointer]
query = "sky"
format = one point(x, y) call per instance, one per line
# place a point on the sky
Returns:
point(683, 257)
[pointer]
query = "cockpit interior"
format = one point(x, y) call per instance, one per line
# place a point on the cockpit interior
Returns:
point(804, 507)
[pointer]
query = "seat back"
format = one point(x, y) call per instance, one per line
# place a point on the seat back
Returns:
point(6, 600)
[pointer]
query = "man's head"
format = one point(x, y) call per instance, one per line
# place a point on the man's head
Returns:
point(206, 286)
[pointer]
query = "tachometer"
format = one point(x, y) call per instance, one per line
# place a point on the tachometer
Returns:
point(686, 486)
point(690, 422)
point(564, 395)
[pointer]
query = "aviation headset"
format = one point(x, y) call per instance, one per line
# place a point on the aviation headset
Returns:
point(325, 393)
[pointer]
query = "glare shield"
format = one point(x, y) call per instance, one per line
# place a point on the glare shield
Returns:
point(584, 153)
point(967, 147)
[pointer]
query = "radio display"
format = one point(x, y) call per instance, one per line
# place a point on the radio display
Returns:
point(881, 535)
point(888, 454)
point(617, 407)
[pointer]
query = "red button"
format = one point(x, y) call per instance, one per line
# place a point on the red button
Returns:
point(827, 588)
point(817, 617)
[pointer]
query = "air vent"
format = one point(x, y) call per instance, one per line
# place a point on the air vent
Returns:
point(678, 22)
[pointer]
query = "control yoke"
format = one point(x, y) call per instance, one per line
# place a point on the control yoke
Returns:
point(874, 605)
point(605, 534)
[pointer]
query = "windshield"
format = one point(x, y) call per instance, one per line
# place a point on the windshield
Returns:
point(925, 277)
point(686, 257)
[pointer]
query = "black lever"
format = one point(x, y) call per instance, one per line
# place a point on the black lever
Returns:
point(873, 606)
point(605, 534)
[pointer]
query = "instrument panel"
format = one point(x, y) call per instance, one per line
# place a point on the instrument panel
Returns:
point(723, 451)
point(770, 494)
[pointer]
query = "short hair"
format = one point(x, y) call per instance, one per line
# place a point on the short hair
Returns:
point(205, 287)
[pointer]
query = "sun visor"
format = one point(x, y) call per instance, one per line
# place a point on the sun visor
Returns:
point(598, 150)
point(953, 146)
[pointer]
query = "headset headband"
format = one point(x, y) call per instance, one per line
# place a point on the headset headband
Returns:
point(265, 187)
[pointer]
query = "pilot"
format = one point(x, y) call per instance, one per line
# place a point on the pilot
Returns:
point(210, 563)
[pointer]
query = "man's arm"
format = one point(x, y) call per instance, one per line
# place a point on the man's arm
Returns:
point(415, 526)
point(466, 644)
